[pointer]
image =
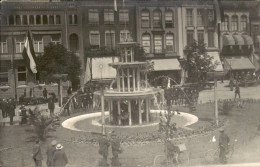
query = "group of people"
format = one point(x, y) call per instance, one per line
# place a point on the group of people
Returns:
point(56, 157)
point(104, 144)
point(8, 108)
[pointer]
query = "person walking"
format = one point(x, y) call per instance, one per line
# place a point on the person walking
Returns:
point(37, 154)
point(223, 146)
point(103, 150)
point(11, 110)
point(116, 149)
point(51, 106)
point(237, 91)
point(44, 93)
point(59, 158)
point(23, 114)
point(50, 153)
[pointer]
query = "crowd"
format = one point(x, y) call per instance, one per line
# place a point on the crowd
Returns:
point(8, 108)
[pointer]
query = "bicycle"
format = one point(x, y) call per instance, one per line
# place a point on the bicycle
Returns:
point(212, 155)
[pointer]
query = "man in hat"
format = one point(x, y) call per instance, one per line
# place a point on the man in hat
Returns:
point(11, 110)
point(237, 91)
point(223, 146)
point(37, 154)
point(103, 149)
point(59, 158)
point(116, 149)
point(50, 153)
point(51, 105)
point(44, 93)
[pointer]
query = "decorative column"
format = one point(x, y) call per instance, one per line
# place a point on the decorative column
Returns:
point(147, 110)
point(130, 112)
point(110, 110)
point(139, 110)
point(125, 55)
point(133, 79)
point(138, 79)
point(123, 80)
point(131, 52)
point(118, 80)
point(146, 83)
point(128, 80)
point(119, 113)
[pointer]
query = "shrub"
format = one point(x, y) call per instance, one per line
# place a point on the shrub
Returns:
point(226, 107)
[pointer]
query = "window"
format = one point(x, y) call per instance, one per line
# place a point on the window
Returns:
point(73, 19)
point(200, 17)
point(189, 17)
point(74, 42)
point(19, 42)
point(201, 36)
point(226, 23)
point(3, 74)
point(3, 45)
point(51, 19)
point(109, 16)
point(25, 21)
point(38, 19)
point(190, 37)
point(56, 39)
point(146, 42)
point(58, 21)
point(169, 19)
point(110, 39)
point(211, 38)
point(211, 17)
point(169, 43)
point(93, 16)
point(38, 43)
point(124, 16)
point(22, 74)
point(3, 20)
point(157, 18)
point(243, 23)
point(234, 23)
point(145, 18)
point(45, 19)
point(31, 19)
point(94, 39)
point(157, 44)
point(18, 20)
point(11, 20)
point(124, 35)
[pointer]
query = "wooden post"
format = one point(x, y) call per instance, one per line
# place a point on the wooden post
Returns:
point(139, 110)
point(216, 100)
point(61, 98)
point(119, 112)
point(134, 80)
point(130, 112)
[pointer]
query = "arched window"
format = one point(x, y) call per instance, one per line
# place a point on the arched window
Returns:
point(74, 42)
point(169, 41)
point(38, 19)
point(146, 43)
point(234, 23)
point(25, 21)
point(31, 19)
point(145, 18)
point(169, 19)
point(226, 23)
point(243, 23)
point(157, 18)
point(51, 19)
point(17, 20)
point(58, 19)
point(11, 20)
point(44, 19)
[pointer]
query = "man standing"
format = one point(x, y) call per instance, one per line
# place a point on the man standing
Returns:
point(223, 146)
point(11, 110)
point(51, 105)
point(37, 154)
point(50, 153)
point(44, 93)
point(4, 108)
point(116, 149)
point(59, 158)
point(237, 91)
point(103, 150)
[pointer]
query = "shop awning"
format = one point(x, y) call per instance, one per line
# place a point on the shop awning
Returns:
point(216, 58)
point(239, 63)
point(248, 40)
point(228, 40)
point(101, 68)
point(166, 64)
point(238, 40)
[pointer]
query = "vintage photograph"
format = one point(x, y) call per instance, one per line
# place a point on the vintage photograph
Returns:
point(131, 83)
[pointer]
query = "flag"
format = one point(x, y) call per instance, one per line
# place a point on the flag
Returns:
point(29, 55)
point(219, 11)
point(115, 6)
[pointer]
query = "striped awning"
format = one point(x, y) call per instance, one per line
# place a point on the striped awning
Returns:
point(216, 58)
point(228, 40)
point(248, 40)
point(238, 40)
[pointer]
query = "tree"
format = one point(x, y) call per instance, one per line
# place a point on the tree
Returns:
point(58, 60)
point(198, 62)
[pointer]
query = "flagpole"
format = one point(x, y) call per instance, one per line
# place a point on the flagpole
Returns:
point(12, 67)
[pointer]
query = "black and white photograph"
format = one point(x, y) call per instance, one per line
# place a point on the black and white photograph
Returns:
point(129, 83)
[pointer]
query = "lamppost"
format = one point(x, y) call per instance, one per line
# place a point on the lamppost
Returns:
point(60, 77)
point(102, 100)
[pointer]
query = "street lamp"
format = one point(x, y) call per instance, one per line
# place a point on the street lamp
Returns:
point(102, 100)
point(60, 77)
